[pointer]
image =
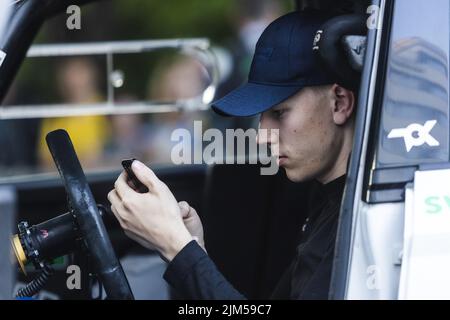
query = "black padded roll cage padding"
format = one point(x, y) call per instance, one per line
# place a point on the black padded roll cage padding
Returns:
point(89, 221)
point(330, 50)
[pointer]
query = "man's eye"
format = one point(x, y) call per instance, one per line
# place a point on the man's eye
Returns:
point(278, 113)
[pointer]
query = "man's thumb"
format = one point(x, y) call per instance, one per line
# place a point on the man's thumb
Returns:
point(144, 174)
point(184, 209)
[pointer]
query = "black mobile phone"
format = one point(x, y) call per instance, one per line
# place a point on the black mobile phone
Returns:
point(138, 186)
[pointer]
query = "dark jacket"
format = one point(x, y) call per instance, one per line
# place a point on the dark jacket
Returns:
point(194, 275)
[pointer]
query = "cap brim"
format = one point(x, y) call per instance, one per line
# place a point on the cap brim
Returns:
point(252, 98)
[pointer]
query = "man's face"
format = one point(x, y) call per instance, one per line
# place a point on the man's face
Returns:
point(309, 140)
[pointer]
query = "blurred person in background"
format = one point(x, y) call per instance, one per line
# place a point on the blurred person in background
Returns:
point(249, 18)
point(129, 135)
point(181, 79)
point(78, 84)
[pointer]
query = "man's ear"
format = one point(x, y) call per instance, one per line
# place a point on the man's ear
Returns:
point(344, 104)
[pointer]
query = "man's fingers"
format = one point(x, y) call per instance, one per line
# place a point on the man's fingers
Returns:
point(116, 214)
point(187, 212)
point(145, 175)
point(184, 209)
point(116, 203)
point(122, 187)
point(113, 197)
point(192, 212)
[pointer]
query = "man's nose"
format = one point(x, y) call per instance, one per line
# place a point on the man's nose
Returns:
point(267, 133)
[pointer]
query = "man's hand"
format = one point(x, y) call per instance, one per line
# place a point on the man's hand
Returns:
point(153, 219)
point(192, 222)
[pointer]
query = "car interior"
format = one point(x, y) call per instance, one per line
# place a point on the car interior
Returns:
point(252, 222)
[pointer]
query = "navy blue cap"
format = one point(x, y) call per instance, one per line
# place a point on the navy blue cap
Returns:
point(283, 63)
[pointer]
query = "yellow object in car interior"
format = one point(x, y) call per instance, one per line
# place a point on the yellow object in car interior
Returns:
point(18, 251)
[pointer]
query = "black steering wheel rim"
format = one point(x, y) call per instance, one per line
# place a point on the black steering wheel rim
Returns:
point(87, 216)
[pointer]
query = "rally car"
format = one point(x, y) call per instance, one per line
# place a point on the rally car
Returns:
point(394, 230)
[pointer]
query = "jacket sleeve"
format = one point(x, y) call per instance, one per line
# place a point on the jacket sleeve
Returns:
point(194, 275)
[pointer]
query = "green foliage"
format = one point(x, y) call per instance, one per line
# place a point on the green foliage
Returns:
point(175, 18)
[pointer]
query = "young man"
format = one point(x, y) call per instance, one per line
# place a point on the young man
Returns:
point(314, 116)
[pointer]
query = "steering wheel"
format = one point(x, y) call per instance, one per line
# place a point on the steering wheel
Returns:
point(89, 221)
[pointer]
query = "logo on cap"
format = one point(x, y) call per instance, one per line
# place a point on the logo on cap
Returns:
point(317, 39)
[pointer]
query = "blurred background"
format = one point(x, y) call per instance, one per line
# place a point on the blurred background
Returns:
point(101, 141)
